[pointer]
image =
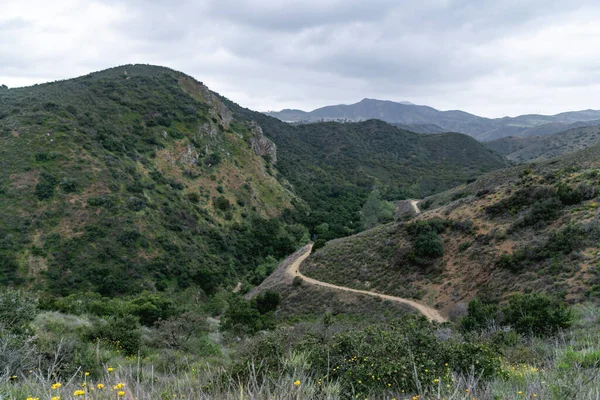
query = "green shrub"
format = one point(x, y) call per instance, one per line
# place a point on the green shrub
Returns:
point(267, 301)
point(536, 314)
point(122, 332)
point(428, 245)
point(17, 310)
point(479, 316)
point(221, 203)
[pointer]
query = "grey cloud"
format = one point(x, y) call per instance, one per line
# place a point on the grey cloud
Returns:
point(291, 53)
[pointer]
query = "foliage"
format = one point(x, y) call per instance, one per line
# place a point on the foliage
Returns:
point(117, 173)
point(536, 314)
point(376, 211)
point(400, 356)
point(528, 314)
point(334, 167)
point(122, 332)
point(17, 310)
point(479, 316)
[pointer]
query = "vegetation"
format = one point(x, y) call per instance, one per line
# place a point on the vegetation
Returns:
point(334, 167)
point(544, 147)
point(137, 172)
point(501, 356)
point(138, 213)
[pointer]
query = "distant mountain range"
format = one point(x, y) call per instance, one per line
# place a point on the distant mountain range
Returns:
point(424, 119)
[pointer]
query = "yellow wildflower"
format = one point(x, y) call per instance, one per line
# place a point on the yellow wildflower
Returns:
point(56, 385)
point(79, 393)
point(119, 386)
point(297, 383)
point(86, 373)
point(110, 369)
point(55, 398)
point(100, 386)
point(121, 393)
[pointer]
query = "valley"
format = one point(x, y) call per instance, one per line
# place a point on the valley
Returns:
point(159, 239)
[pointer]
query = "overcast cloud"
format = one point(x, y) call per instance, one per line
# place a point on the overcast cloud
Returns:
point(488, 57)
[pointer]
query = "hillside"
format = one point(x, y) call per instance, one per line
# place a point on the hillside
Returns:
point(138, 172)
point(334, 166)
point(538, 148)
point(523, 229)
point(423, 118)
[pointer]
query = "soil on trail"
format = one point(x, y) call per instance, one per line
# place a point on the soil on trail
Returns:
point(294, 269)
point(415, 206)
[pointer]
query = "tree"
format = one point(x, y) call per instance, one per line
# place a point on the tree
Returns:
point(376, 211)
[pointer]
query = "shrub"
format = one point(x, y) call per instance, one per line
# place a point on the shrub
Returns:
point(44, 190)
point(242, 317)
point(267, 301)
point(122, 332)
point(68, 185)
point(428, 245)
point(536, 314)
point(479, 316)
point(17, 310)
point(221, 203)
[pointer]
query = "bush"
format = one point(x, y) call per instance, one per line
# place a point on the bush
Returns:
point(221, 203)
point(68, 185)
point(536, 314)
point(428, 245)
point(17, 310)
point(122, 332)
point(479, 316)
point(267, 301)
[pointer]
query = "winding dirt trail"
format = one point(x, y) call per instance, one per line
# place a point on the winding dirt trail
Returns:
point(294, 269)
point(415, 206)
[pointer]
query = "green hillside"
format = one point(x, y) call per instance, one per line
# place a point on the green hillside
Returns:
point(523, 229)
point(334, 166)
point(137, 172)
point(539, 148)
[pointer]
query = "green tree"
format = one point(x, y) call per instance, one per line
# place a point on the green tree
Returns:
point(376, 211)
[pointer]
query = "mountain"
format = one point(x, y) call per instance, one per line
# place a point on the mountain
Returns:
point(334, 166)
point(536, 148)
point(453, 121)
point(136, 172)
point(143, 172)
point(522, 229)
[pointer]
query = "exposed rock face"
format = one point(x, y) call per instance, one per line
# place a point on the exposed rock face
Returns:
point(262, 145)
point(208, 128)
point(198, 90)
point(218, 109)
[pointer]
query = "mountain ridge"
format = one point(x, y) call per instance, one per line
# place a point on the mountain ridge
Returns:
point(481, 128)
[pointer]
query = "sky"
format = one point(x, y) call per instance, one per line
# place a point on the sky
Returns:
point(489, 57)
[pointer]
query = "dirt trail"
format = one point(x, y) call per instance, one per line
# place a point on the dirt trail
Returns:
point(415, 206)
point(294, 269)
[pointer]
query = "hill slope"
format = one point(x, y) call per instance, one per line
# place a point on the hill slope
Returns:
point(136, 172)
point(334, 166)
point(520, 229)
point(453, 121)
point(544, 147)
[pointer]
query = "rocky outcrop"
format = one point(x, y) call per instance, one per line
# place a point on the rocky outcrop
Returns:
point(261, 144)
point(218, 110)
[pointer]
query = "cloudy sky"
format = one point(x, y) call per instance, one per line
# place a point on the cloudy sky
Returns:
point(489, 57)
